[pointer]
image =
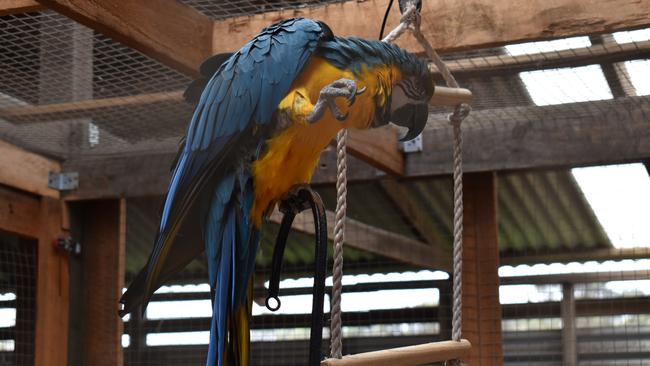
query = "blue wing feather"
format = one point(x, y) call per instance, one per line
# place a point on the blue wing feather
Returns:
point(211, 193)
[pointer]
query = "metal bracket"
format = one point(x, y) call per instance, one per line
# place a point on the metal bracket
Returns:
point(67, 244)
point(412, 146)
point(63, 181)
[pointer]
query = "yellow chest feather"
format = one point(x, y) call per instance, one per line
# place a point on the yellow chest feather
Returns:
point(292, 154)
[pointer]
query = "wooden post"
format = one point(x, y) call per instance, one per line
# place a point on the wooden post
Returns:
point(52, 294)
point(445, 304)
point(569, 338)
point(481, 307)
point(103, 245)
point(66, 73)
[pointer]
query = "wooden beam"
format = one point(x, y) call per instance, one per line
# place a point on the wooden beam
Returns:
point(585, 277)
point(182, 37)
point(44, 112)
point(167, 30)
point(582, 255)
point(104, 235)
point(590, 133)
point(616, 75)
point(378, 241)
point(377, 147)
point(455, 25)
point(53, 289)
point(604, 53)
point(26, 171)
point(9, 7)
point(481, 306)
point(17, 212)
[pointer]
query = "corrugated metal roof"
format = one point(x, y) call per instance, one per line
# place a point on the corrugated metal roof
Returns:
point(540, 212)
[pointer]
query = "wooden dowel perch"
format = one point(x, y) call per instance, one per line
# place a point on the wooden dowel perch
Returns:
point(444, 96)
point(421, 354)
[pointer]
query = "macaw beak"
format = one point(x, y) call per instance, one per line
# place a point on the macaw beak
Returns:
point(412, 116)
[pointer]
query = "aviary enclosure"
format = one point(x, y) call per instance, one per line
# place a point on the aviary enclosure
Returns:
point(555, 267)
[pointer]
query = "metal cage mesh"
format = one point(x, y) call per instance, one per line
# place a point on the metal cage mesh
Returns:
point(71, 93)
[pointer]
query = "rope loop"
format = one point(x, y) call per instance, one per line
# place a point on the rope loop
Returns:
point(460, 113)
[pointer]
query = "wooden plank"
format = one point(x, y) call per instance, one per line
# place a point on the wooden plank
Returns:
point(411, 355)
point(86, 107)
point(8, 7)
point(26, 171)
point(481, 306)
point(456, 25)
point(18, 211)
point(377, 147)
point(378, 241)
point(103, 274)
point(53, 289)
point(166, 30)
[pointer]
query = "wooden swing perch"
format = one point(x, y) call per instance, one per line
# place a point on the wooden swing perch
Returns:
point(406, 356)
point(450, 97)
point(426, 353)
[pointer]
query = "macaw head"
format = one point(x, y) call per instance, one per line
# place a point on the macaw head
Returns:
point(409, 105)
point(408, 102)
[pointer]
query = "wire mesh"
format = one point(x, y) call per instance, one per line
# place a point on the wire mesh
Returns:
point(54, 71)
point(17, 300)
point(237, 8)
point(69, 92)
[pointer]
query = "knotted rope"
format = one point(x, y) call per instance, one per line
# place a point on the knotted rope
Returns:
point(410, 21)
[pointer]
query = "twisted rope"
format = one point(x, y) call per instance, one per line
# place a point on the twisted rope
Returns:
point(407, 19)
point(339, 237)
point(456, 118)
point(460, 113)
point(410, 21)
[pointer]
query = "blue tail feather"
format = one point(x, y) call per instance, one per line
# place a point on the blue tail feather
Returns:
point(231, 246)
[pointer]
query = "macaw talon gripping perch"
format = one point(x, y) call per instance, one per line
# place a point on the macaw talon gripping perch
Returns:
point(298, 199)
point(340, 88)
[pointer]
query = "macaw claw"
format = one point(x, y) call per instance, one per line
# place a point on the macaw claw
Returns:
point(346, 88)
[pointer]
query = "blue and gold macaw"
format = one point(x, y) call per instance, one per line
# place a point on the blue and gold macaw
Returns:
point(258, 129)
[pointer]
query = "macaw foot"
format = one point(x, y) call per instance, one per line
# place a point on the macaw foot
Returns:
point(340, 88)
